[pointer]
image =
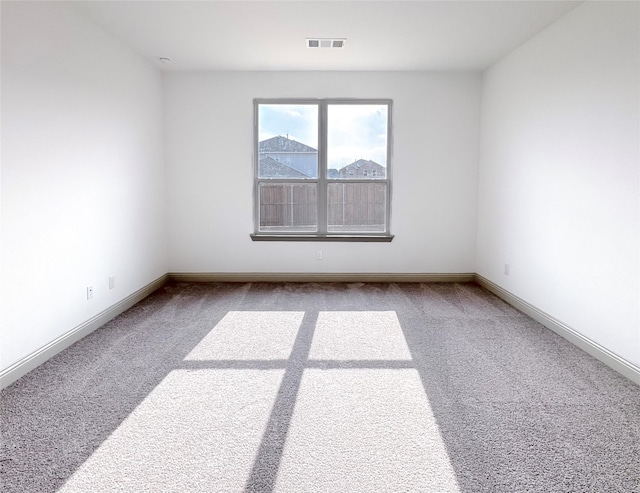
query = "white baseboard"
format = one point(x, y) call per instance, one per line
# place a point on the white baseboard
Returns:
point(35, 359)
point(609, 358)
point(28, 363)
point(315, 277)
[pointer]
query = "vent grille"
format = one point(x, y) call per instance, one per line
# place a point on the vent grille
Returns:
point(326, 42)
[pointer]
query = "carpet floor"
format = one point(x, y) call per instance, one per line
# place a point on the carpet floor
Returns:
point(329, 387)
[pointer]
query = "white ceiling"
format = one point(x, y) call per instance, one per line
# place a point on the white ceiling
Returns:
point(270, 35)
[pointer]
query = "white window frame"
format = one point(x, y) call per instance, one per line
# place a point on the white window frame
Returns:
point(322, 180)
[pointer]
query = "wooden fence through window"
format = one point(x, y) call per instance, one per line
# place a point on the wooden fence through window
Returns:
point(351, 206)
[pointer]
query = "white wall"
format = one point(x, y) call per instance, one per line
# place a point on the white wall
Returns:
point(559, 186)
point(209, 137)
point(83, 185)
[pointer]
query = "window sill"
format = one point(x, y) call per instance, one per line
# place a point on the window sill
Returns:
point(329, 237)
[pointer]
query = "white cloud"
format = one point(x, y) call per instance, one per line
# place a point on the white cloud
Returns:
point(299, 122)
point(356, 131)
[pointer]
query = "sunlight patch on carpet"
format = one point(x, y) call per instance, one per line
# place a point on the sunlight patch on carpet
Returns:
point(355, 335)
point(250, 336)
point(198, 431)
point(361, 431)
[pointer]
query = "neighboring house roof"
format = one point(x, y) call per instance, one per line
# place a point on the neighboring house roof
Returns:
point(363, 162)
point(270, 168)
point(361, 169)
point(283, 144)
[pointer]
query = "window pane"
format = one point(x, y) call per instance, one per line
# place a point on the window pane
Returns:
point(357, 207)
point(357, 141)
point(288, 207)
point(287, 141)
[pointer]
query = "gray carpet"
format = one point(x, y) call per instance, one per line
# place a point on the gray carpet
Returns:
point(321, 388)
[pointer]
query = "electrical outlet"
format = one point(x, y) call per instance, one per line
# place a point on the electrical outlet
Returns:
point(112, 282)
point(89, 292)
point(506, 269)
point(319, 255)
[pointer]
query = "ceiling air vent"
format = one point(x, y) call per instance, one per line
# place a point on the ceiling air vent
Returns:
point(326, 42)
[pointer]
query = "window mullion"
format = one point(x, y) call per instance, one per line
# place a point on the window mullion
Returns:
point(322, 169)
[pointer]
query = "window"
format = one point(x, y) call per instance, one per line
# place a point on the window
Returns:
point(322, 170)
